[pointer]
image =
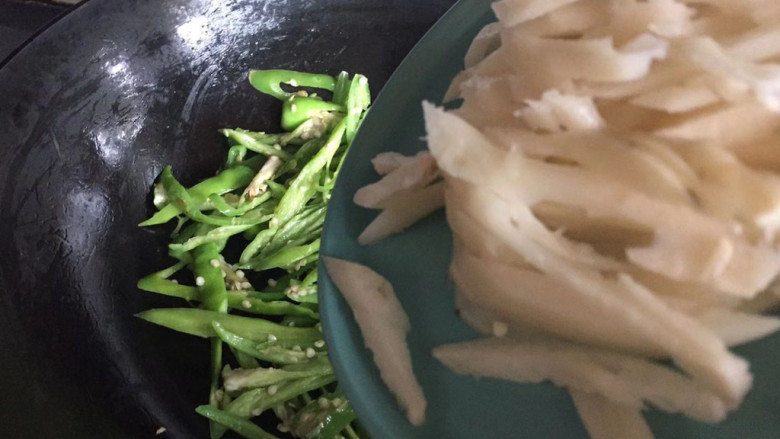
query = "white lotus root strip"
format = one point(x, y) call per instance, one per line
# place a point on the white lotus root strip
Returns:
point(487, 40)
point(384, 326)
point(736, 328)
point(387, 162)
point(414, 174)
point(557, 112)
point(558, 60)
point(403, 213)
point(763, 79)
point(676, 99)
point(512, 12)
point(604, 419)
point(620, 378)
point(406, 194)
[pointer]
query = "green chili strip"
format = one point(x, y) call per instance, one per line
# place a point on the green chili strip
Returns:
point(272, 353)
point(255, 145)
point(358, 101)
point(213, 295)
point(270, 81)
point(303, 186)
point(228, 210)
point(273, 308)
point(243, 427)
point(244, 361)
point(298, 109)
point(180, 198)
point(309, 219)
point(285, 257)
point(235, 156)
point(307, 294)
point(198, 322)
point(260, 240)
point(341, 89)
point(206, 260)
point(211, 236)
point(259, 400)
point(167, 287)
point(327, 422)
point(226, 181)
point(267, 296)
point(301, 156)
point(268, 139)
point(240, 380)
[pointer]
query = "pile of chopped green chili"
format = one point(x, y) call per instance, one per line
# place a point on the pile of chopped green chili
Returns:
point(269, 201)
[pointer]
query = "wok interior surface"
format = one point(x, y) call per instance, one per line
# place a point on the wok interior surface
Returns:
point(90, 112)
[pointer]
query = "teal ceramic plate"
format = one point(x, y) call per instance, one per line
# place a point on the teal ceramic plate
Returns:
point(416, 261)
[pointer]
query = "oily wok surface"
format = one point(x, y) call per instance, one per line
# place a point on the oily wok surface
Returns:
point(90, 112)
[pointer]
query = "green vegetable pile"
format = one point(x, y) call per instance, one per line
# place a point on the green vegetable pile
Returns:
point(269, 200)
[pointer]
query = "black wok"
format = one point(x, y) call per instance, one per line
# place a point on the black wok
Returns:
point(90, 112)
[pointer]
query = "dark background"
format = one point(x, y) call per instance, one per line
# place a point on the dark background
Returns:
point(20, 20)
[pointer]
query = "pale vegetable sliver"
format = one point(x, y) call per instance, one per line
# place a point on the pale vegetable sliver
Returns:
point(384, 325)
